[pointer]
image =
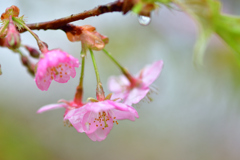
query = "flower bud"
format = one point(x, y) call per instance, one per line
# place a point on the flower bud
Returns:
point(31, 69)
point(13, 40)
point(32, 51)
point(25, 60)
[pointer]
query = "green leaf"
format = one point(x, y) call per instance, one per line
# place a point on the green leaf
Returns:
point(228, 28)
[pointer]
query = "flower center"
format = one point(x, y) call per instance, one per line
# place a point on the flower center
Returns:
point(103, 119)
point(61, 70)
point(137, 83)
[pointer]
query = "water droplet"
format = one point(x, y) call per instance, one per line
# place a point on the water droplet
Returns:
point(144, 20)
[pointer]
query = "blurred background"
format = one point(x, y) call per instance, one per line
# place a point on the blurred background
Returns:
point(194, 116)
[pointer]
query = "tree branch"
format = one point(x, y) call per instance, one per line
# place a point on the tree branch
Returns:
point(59, 23)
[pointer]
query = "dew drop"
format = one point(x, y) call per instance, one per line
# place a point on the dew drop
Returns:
point(144, 20)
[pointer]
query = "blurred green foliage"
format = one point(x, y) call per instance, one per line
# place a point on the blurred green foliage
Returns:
point(207, 14)
point(24, 146)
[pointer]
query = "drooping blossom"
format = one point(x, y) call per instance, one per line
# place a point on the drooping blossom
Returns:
point(96, 119)
point(10, 11)
point(88, 36)
point(55, 64)
point(131, 92)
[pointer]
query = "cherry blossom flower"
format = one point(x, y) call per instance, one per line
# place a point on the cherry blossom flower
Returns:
point(96, 119)
point(131, 92)
point(10, 11)
point(88, 36)
point(55, 64)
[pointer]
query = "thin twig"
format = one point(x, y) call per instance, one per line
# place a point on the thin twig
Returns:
point(59, 23)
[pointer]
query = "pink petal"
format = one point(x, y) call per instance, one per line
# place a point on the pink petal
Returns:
point(118, 84)
point(74, 62)
point(54, 57)
point(124, 111)
point(99, 106)
point(119, 95)
point(136, 95)
point(44, 83)
point(50, 107)
point(75, 116)
point(151, 72)
point(100, 134)
point(73, 72)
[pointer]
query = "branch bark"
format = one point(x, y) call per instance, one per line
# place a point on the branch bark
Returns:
point(60, 23)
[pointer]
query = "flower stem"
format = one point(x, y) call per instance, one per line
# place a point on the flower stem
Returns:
point(124, 70)
point(95, 66)
point(26, 27)
point(41, 44)
point(114, 60)
point(79, 90)
point(82, 72)
point(99, 91)
point(18, 51)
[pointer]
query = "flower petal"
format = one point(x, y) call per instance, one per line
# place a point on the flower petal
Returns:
point(150, 73)
point(100, 134)
point(99, 106)
point(135, 95)
point(117, 84)
point(75, 116)
point(124, 111)
point(43, 83)
point(50, 107)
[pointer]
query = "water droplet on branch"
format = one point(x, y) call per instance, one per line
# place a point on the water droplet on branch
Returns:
point(144, 20)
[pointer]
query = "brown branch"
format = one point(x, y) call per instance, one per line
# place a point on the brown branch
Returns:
point(59, 23)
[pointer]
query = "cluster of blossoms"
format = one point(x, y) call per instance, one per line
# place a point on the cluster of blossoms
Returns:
point(95, 117)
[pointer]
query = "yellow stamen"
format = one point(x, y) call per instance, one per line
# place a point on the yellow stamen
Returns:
point(106, 125)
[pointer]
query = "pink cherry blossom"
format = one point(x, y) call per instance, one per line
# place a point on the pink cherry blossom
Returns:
point(134, 91)
point(96, 119)
point(55, 64)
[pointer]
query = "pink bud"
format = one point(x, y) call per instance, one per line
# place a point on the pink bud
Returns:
point(13, 40)
point(32, 51)
point(25, 60)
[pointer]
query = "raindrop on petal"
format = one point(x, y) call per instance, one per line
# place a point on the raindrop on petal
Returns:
point(144, 20)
